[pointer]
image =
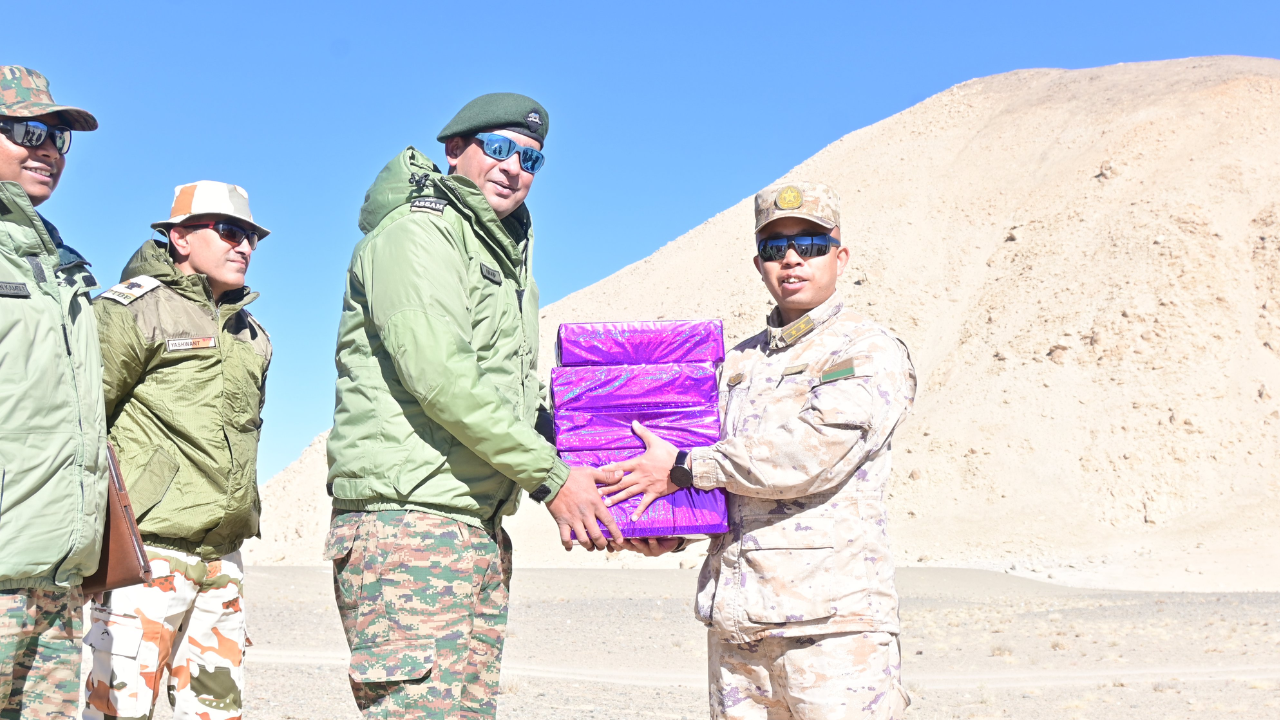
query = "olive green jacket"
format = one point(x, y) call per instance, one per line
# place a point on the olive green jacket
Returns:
point(184, 381)
point(53, 436)
point(437, 393)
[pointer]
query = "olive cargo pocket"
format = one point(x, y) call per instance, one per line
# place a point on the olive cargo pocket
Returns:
point(787, 570)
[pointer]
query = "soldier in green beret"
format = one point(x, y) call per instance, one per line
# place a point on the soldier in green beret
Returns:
point(53, 441)
point(441, 420)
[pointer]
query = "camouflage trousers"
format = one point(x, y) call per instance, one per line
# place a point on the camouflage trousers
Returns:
point(848, 676)
point(40, 653)
point(188, 621)
point(423, 600)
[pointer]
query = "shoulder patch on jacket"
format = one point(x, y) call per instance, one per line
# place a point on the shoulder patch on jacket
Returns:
point(130, 290)
point(432, 205)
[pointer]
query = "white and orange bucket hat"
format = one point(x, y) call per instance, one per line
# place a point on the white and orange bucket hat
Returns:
point(210, 199)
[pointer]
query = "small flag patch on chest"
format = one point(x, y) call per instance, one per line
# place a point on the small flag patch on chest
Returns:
point(190, 344)
point(842, 369)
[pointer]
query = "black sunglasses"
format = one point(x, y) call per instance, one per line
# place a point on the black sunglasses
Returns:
point(233, 234)
point(806, 246)
point(32, 133)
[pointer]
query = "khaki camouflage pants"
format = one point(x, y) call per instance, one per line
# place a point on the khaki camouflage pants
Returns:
point(849, 676)
point(189, 621)
point(40, 653)
point(423, 600)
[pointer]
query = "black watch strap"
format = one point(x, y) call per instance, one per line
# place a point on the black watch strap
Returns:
point(681, 475)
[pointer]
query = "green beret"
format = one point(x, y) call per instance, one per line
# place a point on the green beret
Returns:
point(499, 111)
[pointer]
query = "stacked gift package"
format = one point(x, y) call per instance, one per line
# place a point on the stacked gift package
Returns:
point(662, 374)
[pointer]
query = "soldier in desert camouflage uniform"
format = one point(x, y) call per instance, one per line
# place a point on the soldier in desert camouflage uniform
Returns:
point(799, 595)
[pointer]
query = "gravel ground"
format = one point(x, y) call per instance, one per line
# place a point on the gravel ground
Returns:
point(622, 644)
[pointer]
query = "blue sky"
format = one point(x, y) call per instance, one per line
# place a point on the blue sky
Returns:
point(662, 114)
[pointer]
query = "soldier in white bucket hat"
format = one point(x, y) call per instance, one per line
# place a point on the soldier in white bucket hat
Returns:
point(184, 374)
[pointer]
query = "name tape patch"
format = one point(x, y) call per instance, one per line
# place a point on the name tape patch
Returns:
point(130, 290)
point(491, 274)
point(14, 290)
point(795, 369)
point(431, 205)
point(190, 344)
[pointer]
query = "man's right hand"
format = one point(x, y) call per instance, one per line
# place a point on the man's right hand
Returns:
point(577, 507)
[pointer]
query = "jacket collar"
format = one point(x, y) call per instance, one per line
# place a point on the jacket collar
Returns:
point(506, 237)
point(18, 209)
point(781, 336)
point(153, 259)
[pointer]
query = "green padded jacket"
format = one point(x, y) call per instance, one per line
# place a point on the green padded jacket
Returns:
point(438, 394)
point(53, 436)
point(184, 379)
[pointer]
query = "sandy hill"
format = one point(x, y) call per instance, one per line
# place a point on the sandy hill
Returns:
point(1086, 267)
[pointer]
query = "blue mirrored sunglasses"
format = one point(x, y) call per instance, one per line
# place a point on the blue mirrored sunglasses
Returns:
point(807, 246)
point(500, 147)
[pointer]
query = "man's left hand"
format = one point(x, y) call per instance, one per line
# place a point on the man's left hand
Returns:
point(649, 474)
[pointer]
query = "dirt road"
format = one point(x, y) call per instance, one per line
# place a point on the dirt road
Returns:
point(622, 644)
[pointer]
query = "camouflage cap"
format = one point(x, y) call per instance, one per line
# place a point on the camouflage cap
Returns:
point(210, 199)
point(808, 200)
point(500, 111)
point(24, 93)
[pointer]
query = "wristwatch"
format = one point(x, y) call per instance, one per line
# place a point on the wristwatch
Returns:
point(681, 475)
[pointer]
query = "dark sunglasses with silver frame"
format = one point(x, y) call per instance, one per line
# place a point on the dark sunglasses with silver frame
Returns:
point(806, 246)
point(229, 232)
point(501, 147)
point(32, 133)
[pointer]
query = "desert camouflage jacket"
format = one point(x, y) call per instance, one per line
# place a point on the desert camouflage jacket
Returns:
point(808, 412)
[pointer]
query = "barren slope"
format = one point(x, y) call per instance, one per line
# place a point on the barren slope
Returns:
point(1086, 266)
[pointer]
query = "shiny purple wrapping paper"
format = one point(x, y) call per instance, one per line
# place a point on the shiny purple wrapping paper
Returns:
point(684, 512)
point(641, 343)
point(617, 387)
point(687, 427)
point(598, 458)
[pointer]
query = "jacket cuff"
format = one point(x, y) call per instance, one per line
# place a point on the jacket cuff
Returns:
point(706, 471)
point(551, 484)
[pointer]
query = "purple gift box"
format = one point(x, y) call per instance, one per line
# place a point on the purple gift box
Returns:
point(641, 343)
point(615, 387)
point(598, 458)
point(688, 511)
point(686, 427)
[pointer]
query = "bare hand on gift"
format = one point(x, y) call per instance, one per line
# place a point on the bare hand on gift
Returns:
point(578, 505)
point(649, 547)
point(649, 474)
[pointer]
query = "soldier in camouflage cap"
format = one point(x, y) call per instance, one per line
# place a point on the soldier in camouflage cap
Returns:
point(24, 93)
point(799, 595)
point(54, 481)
